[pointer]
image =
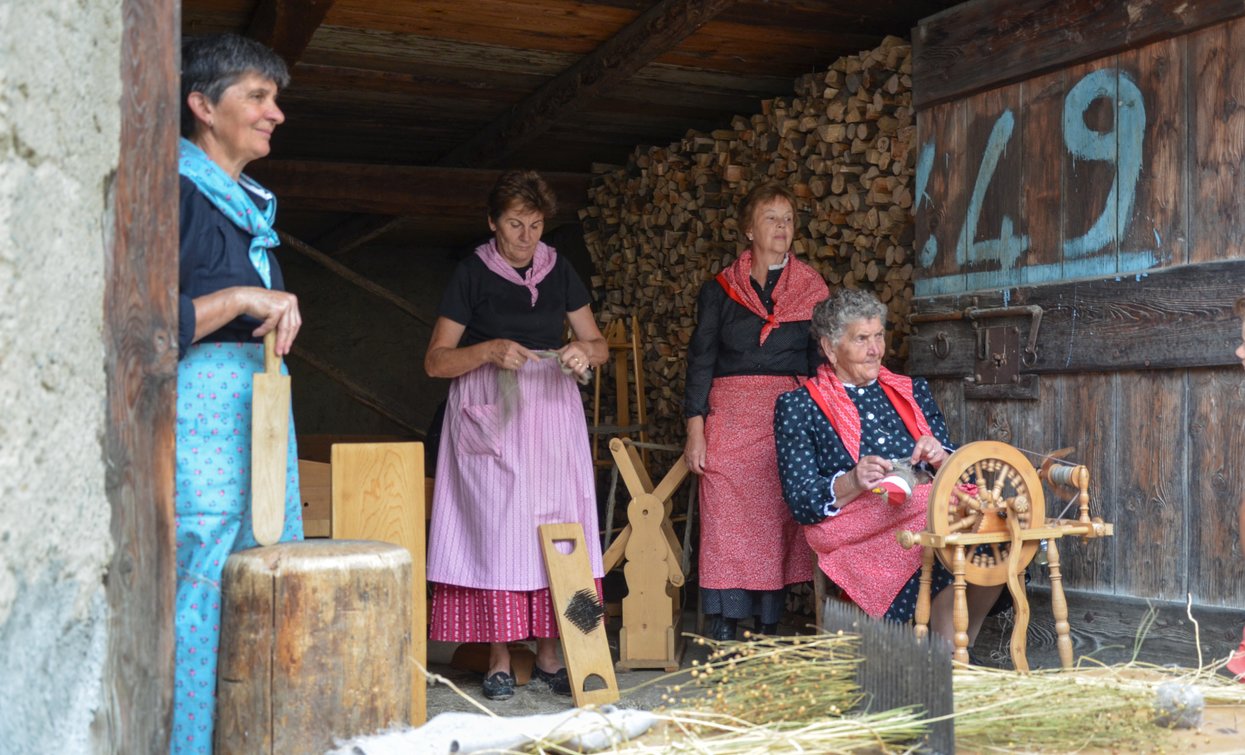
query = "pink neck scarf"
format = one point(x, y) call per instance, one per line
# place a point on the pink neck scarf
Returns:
point(542, 263)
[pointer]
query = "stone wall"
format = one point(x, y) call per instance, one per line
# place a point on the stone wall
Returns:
point(60, 98)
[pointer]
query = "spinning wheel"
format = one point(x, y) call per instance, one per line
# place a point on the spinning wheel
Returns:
point(977, 488)
point(987, 516)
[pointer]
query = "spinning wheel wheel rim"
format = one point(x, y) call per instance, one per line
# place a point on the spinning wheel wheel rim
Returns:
point(986, 461)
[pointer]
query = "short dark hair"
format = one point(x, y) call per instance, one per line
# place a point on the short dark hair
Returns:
point(212, 64)
point(762, 194)
point(524, 188)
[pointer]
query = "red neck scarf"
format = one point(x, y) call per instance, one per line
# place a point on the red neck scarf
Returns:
point(829, 394)
point(798, 290)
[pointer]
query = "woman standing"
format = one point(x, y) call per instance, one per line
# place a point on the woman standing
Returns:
point(231, 293)
point(514, 448)
point(750, 345)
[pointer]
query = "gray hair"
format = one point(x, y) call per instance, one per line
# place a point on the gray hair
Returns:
point(212, 64)
point(845, 306)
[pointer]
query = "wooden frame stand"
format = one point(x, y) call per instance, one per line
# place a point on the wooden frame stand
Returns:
point(651, 612)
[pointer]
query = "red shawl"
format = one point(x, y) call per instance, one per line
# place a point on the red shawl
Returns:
point(829, 394)
point(798, 290)
point(857, 547)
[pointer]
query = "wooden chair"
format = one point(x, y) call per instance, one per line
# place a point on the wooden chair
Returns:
point(624, 349)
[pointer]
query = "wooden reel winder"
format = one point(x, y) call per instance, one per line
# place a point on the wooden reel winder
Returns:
point(987, 518)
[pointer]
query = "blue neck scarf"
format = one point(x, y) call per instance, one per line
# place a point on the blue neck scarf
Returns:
point(233, 198)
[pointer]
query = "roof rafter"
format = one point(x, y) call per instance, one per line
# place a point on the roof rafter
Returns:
point(652, 33)
point(287, 26)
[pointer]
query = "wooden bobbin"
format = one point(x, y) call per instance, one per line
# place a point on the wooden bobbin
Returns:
point(315, 645)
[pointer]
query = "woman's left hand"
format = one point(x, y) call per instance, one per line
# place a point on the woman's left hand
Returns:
point(574, 357)
point(928, 448)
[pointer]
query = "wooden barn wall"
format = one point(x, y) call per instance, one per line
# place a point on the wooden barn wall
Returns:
point(1107, 191)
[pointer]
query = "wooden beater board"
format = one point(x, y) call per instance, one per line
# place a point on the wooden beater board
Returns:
point(587, 654)
point(378, 494)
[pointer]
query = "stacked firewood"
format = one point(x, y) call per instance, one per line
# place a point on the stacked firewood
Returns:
point(665, 223)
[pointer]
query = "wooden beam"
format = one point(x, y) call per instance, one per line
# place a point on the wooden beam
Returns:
point(401, 189)
point(1172, 318)
point(653, 33)
point(356, 390)
point(351, 276)
point(287, 26)
point(352, 234)
point(140, 365)
point(983, 44)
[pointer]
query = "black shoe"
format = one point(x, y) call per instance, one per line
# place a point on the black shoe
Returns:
point(724, 629)
point(559, 682)
point(499, 686)
point(769, 630)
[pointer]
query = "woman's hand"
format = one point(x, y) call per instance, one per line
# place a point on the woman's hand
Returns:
point(869, 471)
point(694, 450)
point(574, 356)
point(928, 448)
point(508, 355)
point(277, 309)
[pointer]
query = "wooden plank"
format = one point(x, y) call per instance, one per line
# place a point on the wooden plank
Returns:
point(1041, 128)
point(1105, 628)
point(140, 365)
point(1091, 206)
point(942, 186)
point(1087, 414)
point(402, 189)
point(1156, 220)
point(1217, 124)
point(1216, 485)
point(1175, 317)
point(378, 494)
point(982, 44)
point(585, 648)
point(655, 31)
point(315, 488)
point(287, 26)
point(1154, 508)
point(357, 391)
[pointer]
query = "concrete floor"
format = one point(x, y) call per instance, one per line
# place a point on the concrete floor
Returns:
point(637, 688)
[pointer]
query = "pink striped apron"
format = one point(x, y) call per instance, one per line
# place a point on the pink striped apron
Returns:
point(499, 478)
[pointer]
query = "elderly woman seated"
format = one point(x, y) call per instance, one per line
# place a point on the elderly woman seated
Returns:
point(838, 436)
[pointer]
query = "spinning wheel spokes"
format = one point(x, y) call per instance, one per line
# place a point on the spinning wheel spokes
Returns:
point(977, 487)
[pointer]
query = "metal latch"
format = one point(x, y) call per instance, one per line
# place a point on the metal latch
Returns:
point(999, 355)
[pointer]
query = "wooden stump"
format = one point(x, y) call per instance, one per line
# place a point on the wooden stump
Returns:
point(315, 645)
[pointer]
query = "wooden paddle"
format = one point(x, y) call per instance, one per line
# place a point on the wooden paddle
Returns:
point(270, 440)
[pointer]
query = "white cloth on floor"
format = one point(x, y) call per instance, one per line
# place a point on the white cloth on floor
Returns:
point(456, 732)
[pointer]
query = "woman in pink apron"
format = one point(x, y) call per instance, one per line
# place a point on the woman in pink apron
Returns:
point(514, 447)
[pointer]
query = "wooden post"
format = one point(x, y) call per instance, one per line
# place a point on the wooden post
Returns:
point(1059, 605)
point(959, 612)
point(314, 645)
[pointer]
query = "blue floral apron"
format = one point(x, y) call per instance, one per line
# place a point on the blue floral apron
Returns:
point(213, 517)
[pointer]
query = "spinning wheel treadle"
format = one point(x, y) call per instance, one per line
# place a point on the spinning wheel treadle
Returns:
point(1006, 484)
